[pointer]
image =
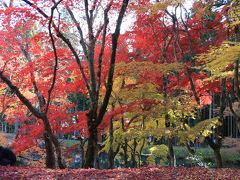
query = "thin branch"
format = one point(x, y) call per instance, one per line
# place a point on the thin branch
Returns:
point(37, 8)
point(186, 29)
point(89, 20)
point(55, 55)
point(100, 29)
point(41, 99)
point(131, 120)
point(89, 53)
point(79, 30)
point(69, 44)
point(106, 21)
point(115, 36)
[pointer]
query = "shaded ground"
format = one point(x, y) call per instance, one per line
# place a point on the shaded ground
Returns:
point(163, 173)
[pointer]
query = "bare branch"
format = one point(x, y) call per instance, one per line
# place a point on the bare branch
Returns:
point(82, 42)
point(115, 36)
point(37, 8)
point(55, 55)
point(99, 71)
point(89, 20)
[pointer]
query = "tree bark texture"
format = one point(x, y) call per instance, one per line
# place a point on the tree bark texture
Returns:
point(111, 151)
point(50, 160)
point(172, 158)
point(92, 141)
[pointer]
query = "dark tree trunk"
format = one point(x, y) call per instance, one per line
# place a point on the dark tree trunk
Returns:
point(171, 155)
point(91, 149)
point(54, 141)
point(189, 74)
point(140, 152)
point(190, 150)
point(82, 143)
point(83, 157)
point(172, 158)
point(50, 160)
point(96, 161)
point(133, 154)
point(111, 151)
point(125, 155)
point(125, 145)
point(218, 157)
point(91, 153)
point(216, 143)
point(111, 158)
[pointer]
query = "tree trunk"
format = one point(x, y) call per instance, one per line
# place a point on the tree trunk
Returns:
point(238, 123)
point(16, 126)
point(189, 74)
point(111, 152)
point(190, 150)
point(96, 160)
point(218, 157)
point(172, 158)
point(50, 160)
point(83, 158)
point(216, 143)
point(82, 143)
point(92, 143)
point(125, 155)
point(111, 158)
point(53, 141)
point(140, 152)
point(133, 154)
point(56, 143)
